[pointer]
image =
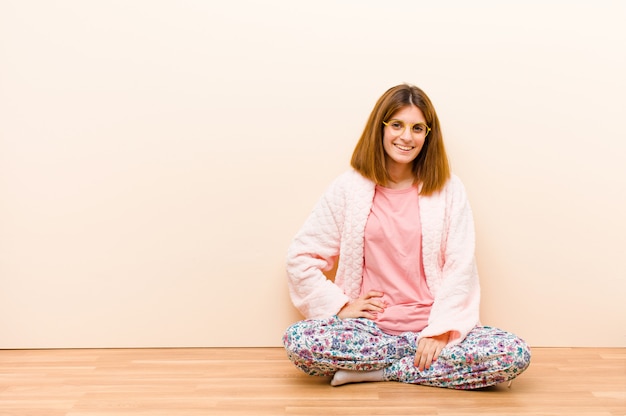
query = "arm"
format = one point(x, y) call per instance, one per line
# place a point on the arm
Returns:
point(314, 250)
point(456, 307)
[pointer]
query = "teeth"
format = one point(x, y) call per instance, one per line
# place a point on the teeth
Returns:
point(403, 147)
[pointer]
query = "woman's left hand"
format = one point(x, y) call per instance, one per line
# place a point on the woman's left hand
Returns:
point(428, 350)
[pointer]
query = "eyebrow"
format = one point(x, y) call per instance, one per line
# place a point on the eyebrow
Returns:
point(406, 122)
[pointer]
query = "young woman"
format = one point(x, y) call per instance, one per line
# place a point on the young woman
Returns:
point(404, 302)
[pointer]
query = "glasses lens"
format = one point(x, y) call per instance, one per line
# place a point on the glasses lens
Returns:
point(419, 130)
point(396, 125)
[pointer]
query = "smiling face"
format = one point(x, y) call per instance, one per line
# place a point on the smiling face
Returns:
point(402, 147)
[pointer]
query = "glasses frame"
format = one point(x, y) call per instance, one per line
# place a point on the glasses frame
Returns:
point(386, 123)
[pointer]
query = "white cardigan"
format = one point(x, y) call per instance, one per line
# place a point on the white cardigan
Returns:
point(335, 229)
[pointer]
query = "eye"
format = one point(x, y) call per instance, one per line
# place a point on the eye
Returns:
point(396, 124)
point(419, 128)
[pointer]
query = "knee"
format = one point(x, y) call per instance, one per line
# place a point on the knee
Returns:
point(519, 356)
point(294, 338)
point(290, 336)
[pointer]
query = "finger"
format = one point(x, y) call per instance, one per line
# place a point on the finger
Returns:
point(423, 362)
point(420, 351)
point(368, 315)
point(429, 360)
point(370, 306)
point(374, 294)
point(437, 352)
point(416, 361)
point(419, 354)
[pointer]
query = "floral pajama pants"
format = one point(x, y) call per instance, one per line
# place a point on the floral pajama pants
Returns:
point(487, 356)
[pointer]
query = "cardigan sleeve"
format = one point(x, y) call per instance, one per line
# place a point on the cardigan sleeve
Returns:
point(456, 305)
point(314, 250)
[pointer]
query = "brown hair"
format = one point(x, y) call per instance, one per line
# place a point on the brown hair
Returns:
point(430, 167)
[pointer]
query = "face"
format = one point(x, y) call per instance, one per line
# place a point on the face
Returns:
point(402, 147)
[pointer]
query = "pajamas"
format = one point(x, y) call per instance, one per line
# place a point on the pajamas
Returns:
point(487, 356)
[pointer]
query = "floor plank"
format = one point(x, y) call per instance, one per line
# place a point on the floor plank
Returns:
point(261, 381)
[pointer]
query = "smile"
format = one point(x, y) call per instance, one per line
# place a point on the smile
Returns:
point(404, 148)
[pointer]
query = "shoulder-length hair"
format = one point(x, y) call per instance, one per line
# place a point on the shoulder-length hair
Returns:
point(430, 168)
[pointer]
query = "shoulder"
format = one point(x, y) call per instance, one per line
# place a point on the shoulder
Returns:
point(351, 180)
point(454, 182)
point(452, 194)
point(353, 177)
point(455, 195)
point(453, 187)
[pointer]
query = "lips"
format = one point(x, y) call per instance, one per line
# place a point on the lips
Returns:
point(404, 148)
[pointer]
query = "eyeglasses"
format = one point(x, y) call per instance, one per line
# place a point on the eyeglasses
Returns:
point(417, 130)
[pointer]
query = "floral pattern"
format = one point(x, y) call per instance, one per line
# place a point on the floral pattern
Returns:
point(487, 356)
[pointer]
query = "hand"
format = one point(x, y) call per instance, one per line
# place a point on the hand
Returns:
point(367, 306)
point(428, 350)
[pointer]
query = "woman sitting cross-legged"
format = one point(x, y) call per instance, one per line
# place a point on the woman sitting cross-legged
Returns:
point(405, 299)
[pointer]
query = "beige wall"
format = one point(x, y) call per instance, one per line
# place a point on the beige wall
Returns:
point(157, 157)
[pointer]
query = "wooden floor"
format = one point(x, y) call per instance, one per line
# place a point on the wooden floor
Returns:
point(261, 381)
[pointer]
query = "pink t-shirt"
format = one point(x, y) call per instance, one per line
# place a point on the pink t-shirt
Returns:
point(393, 260)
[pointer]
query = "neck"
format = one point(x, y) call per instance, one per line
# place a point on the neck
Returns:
point(401, 177)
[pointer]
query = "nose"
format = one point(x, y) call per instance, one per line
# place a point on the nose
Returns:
point(406, 133)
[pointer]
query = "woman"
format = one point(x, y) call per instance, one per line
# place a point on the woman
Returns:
point(404, 302)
